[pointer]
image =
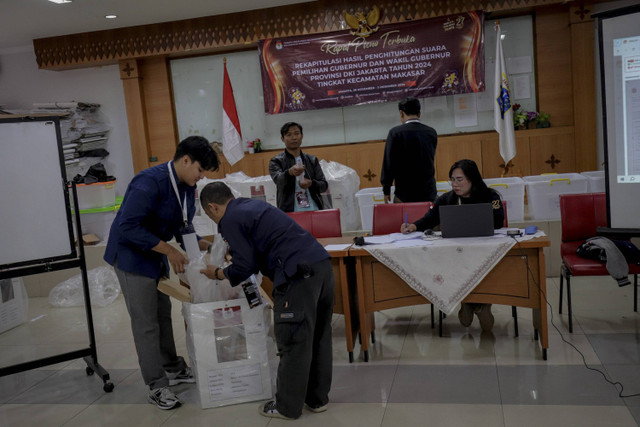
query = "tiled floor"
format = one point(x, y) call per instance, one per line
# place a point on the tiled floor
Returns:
point(414, 377)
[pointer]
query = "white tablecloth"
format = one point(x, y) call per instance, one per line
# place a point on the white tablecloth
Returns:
point(447, 270)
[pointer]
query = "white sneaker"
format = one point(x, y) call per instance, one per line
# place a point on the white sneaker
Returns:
point(163, 398)
point(184, 376)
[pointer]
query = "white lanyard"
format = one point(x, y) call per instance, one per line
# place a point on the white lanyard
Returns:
point(183, 205)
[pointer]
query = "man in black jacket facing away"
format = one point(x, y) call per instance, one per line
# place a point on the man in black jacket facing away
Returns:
point(409, 158)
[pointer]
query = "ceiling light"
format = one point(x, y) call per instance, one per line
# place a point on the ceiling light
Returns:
point(60, 1)
point(111, 16)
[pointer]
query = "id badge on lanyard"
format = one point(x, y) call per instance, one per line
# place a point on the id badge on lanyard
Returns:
point(187, 231)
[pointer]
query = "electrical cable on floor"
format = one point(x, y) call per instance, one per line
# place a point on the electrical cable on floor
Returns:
point(584, 361)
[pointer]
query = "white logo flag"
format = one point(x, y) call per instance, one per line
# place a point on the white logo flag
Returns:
point(502, 111)
point(231, 135)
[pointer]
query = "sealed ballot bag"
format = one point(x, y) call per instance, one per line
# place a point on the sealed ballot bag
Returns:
point(229, 335)
point(229, 346)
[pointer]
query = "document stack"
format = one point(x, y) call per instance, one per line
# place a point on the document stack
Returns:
point(84, 131)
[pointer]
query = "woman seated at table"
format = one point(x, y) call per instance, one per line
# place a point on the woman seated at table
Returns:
point(467, 187)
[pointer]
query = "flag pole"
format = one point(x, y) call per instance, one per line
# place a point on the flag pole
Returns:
point(503, 111)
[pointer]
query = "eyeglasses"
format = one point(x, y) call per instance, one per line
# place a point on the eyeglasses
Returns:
point(459, 180)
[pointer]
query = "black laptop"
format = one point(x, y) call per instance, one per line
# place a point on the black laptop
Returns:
point(472, 220)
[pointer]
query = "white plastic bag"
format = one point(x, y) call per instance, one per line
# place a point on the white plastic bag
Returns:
point(344, 183)
point(204, 289)
point(104, 288)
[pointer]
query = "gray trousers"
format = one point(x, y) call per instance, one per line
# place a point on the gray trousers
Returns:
point(302, 314)
point(150, 312)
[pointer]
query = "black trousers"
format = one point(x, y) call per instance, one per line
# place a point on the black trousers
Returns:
point(302, 314)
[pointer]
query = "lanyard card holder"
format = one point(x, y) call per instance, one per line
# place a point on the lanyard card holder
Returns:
point(251, 291)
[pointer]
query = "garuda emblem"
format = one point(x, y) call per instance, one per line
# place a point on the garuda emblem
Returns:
point(363, 26)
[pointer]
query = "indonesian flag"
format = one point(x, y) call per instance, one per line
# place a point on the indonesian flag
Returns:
point(231, 134)
point(502, 111)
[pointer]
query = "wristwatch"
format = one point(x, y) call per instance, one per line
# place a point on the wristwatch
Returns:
point(215, 273)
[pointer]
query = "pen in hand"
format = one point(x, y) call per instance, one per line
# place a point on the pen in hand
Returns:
point(405, 223)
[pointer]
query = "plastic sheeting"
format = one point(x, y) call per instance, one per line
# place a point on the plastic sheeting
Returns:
point(104, 288)
point(344, 183)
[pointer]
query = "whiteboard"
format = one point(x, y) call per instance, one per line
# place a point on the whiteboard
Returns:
point(36, 218)
point(197, 90)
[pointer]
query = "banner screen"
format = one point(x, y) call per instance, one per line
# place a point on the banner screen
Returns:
point(432, 57)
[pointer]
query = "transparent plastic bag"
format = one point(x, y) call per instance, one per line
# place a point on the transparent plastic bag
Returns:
point(104, 288)
point(344, 183)
point(204, 289)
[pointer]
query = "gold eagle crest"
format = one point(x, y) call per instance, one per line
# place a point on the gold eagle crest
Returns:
point(363, 26)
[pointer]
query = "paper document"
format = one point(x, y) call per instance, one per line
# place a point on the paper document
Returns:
point(393, 237)
point(337, 247)
point(412, 243)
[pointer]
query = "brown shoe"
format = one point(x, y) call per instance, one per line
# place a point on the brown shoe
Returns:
point(485, 317)
point(466, 314)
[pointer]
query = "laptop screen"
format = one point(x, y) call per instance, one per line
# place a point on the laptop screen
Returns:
point(472, 220)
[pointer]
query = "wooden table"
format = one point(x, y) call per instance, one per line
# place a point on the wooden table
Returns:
point(345, 295)
point(517, 280)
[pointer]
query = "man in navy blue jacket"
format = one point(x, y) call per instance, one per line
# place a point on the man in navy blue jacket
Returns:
point(263, 238)
point(158, 205)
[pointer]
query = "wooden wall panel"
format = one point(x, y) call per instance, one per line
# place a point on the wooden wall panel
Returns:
point(456, 147)
point(250, 164)
point(134, 98)
point(366, 159)
point(552, 151)
point(161, 120)
point(492, 162)
point(584, 101)
point(553, 64)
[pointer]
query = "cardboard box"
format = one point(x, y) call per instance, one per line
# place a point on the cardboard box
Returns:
point(14, 303)
point(174, 289)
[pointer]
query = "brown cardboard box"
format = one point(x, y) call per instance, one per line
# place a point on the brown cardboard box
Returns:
point(174, 289)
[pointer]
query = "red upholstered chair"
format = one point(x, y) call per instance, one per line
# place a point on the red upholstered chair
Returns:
point(303, 219)
point(320, 224)
point(388, 217)
point(326, 223)
point(581, 215)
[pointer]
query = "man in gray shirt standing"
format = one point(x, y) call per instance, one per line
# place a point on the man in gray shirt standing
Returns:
point(409, 156)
